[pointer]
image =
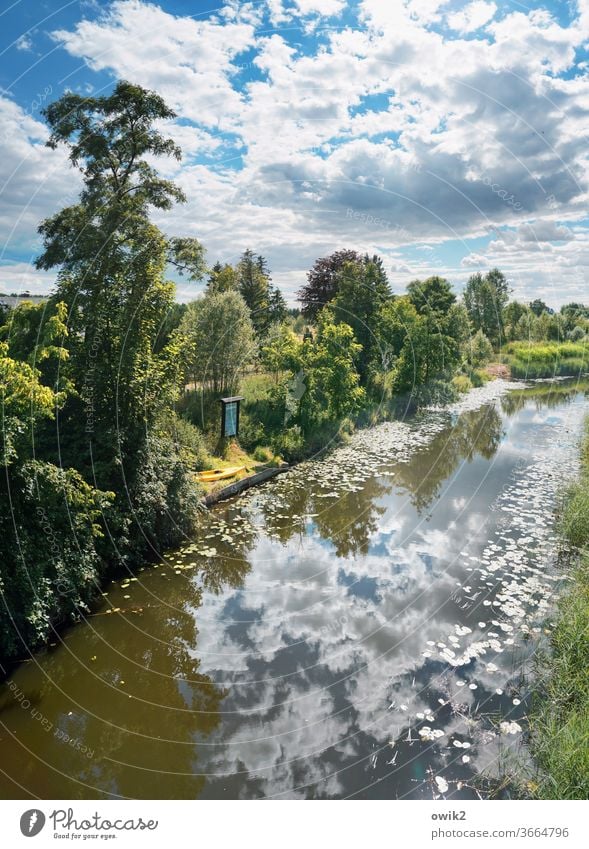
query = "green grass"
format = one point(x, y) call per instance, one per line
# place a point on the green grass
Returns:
point(559, 718)
point(546, 359)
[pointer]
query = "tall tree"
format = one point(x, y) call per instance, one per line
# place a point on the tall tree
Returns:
point(362, 290)
point(277, 309)
point(50, 519)
point(404, 343)
point(254, 287)
point(332, 381)
point(322, 281)
point(112, 261)
point(434, 300)
point(485, 298)
point(512, 313)
point(538, 306)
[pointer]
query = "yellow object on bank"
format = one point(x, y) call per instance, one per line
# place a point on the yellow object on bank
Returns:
point(219, 474)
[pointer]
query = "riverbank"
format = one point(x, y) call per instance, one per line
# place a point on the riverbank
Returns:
point(559, 719)
point(530, 360)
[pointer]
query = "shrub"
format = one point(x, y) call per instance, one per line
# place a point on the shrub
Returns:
point(576, 334)
point(163, 501)
point(189, 441)
point(434, 393)
point(461, 383)
point(262, 455)
point(290, 444)
point(480, 350)
point(251, 431)
point(51, 568)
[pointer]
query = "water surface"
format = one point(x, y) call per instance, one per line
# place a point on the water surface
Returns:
point(358, 627)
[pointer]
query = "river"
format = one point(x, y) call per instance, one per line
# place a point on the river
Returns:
point(362, 626)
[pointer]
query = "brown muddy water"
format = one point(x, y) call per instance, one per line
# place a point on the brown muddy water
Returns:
point(362, 626)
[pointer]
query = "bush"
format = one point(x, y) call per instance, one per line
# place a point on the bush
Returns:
point(478, 377)
point(461, 383)
point(163, 501)
point(189, 441)
point(251, 432)
point(290, 444)
point(435, 393)
point(480, 350)
point(52, 569)
point(576, 334)
point(262, 455)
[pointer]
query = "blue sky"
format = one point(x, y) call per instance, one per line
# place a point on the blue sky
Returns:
point(448, 137)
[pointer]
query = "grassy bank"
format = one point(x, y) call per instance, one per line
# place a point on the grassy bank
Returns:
point(546, 359)
point(559, 719)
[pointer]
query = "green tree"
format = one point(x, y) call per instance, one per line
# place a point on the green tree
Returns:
point(111, 276)
point(254, 287)
point(362, 290)
point(277, 309)
point(281, 352)
point(480, 350)
point(169, 325)
point(512, 313)
point(222, 278)
point(50, 519)
point(330, 374)
point(323, 280)
point(485, 298)
point(37, 333)
point(523, 328)
point(220, 341)
point(576, 334)
point(433, 299)
point(25, 400)
point(403, 338)
point(541, 327)
point(538, 306)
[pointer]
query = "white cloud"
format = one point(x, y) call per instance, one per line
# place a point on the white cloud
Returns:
point(472, 17)
point(277, 13)
point(35, 181)
point(190, 62)
point(24, 42)
point(18, 277)
point(484, 134)
point(320, 7)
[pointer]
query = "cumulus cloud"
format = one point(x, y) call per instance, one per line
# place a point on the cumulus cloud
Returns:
point(423, 133)
point(189, 61)
point(320, 7)
point(35, 180)
point(474, 261)
point(472, 17)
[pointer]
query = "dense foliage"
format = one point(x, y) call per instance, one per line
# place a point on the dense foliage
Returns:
point(88, 377)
